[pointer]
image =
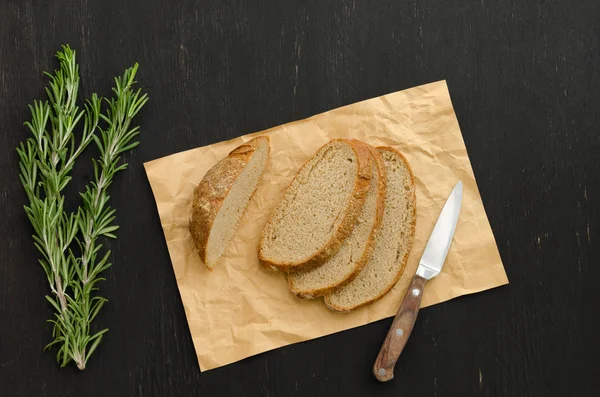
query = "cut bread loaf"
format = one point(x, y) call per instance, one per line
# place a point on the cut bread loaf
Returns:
point(392, 243)
point(222, 196)
point(342, 267)
point(318, 209)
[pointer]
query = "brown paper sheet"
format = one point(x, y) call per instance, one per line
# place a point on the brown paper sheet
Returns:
point(239, 310)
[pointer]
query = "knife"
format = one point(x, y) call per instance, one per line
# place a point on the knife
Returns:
point(430, 266)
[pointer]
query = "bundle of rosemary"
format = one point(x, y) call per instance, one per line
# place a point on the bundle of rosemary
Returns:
point(72, 256)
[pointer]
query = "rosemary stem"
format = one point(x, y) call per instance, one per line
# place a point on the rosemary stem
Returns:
point(60, 294)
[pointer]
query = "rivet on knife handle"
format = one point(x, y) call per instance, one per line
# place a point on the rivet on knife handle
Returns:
point(402, 326)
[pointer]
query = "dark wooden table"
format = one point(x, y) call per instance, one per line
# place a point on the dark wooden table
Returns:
point(524, 79)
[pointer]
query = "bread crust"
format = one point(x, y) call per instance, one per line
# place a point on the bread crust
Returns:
point(380, 206)
point(345, 227)
point(210, 193)
point(413, 201)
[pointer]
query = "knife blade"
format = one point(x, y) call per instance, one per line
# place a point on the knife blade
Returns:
point(430, 265)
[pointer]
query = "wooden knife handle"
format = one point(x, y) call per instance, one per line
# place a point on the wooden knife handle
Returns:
point(402, 326)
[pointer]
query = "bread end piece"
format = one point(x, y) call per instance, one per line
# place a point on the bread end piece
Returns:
point(212, 191)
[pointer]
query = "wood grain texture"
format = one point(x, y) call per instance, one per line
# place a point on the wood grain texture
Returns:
point(524, 80)
point(402, 326)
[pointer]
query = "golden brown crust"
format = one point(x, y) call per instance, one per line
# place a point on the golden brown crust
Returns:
point(359, 195)
point(381, 191)
point(210, 193)
point(412, 234)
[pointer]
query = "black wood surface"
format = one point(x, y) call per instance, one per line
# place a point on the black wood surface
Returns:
point(524, 78)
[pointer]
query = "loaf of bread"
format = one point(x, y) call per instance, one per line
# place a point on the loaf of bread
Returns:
point(342, 230)
point(222, 196)
point(342, 267)
point(392, 242)
point(318, 209)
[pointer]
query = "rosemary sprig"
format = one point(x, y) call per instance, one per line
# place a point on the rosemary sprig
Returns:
point(95, 218)
point(46, 160)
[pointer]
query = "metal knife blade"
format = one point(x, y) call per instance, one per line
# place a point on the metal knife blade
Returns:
point(435, 252)
point(430, 266)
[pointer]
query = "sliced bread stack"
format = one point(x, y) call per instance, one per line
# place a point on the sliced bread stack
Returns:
point(345, 224)
point(342, 267)
point(392, 243)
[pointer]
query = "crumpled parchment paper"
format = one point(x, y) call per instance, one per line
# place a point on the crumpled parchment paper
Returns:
point(239, 310)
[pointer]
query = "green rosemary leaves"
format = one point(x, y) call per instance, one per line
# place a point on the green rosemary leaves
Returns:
point(71, 254)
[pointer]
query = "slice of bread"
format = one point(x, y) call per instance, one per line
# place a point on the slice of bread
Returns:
point(222, 196)
point(318, 209)
point(392, 243)
point(342, 267)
